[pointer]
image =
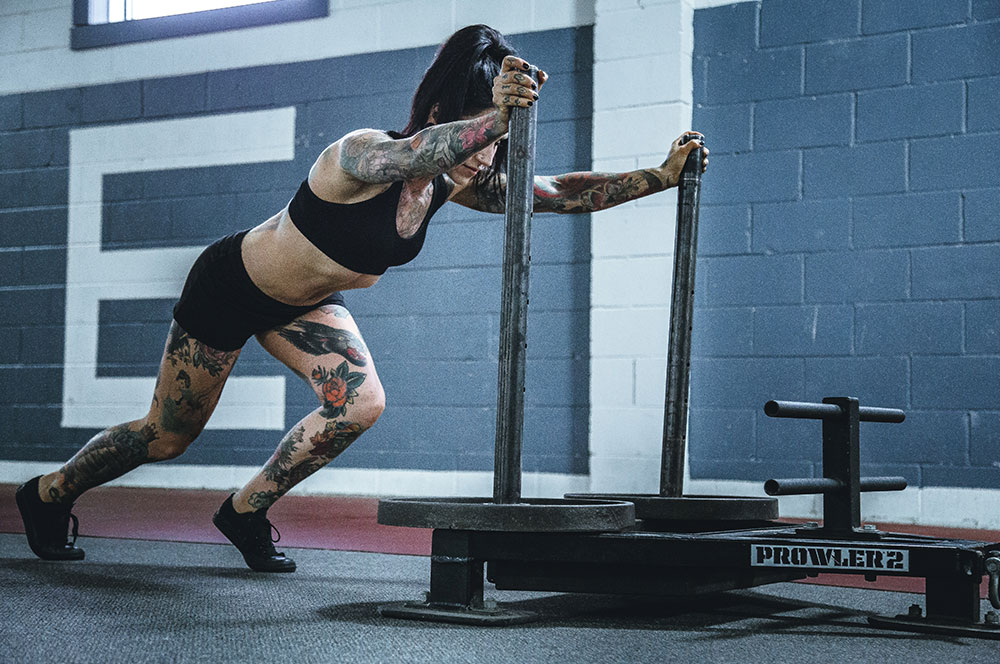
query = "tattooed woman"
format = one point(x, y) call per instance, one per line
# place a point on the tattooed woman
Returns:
point(363, 208)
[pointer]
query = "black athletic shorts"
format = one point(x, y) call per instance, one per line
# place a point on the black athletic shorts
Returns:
point(221, 307)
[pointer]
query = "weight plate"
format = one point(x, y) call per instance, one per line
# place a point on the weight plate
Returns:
point(530, 515)
point(692, 508)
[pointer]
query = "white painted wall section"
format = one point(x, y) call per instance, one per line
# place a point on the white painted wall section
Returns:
point(642, 101)
point(93, 274)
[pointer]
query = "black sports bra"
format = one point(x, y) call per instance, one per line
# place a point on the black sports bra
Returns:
point(362, 236)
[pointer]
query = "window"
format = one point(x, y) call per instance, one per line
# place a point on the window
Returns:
point(133, 10)
point(107, 22)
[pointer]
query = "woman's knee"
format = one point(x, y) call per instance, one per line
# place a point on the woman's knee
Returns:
point(166, 444)
point(356, 396)
point(368, 406)
point(376, 403)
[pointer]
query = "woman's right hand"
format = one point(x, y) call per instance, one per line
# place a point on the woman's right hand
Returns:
point(514, 86)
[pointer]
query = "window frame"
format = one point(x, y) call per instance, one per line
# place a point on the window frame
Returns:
point(85, 35)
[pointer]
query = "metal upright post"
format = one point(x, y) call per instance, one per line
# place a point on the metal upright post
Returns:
point(506, 510)
point(681, 315)
point(514, 304)
point(842, 463)
point(461, 524)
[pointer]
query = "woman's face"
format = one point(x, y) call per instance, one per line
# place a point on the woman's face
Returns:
point(464, 173)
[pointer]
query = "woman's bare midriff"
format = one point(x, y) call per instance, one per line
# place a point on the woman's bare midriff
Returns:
point(289, 268)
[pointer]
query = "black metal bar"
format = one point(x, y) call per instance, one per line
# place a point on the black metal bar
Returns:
point(822, 411)
point(796, 486)
point(928, 556)
point(842, 462)
point(514, 304)
point(678, 563)
point(953, 598)
point(681, 314)
point(647, 578)
point(456, 576)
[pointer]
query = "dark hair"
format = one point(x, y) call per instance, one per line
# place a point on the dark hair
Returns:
point(460, 83)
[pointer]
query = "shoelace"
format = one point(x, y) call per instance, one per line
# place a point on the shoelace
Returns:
point(264, 541)
point(76, 528)
point(57, 530)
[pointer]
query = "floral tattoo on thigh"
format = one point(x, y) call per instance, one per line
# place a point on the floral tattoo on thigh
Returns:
point(181, 347)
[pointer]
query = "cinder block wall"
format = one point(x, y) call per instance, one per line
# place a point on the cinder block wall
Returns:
point(850, 240)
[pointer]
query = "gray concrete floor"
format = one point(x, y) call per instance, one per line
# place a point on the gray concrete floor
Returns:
point(140, 601)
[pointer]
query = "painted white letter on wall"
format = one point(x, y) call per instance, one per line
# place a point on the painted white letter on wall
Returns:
point(92, 275)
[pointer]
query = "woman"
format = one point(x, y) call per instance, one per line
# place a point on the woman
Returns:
point(363, 208)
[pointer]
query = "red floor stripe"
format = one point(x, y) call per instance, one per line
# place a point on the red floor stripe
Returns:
point(311, 522)
point(331, 522)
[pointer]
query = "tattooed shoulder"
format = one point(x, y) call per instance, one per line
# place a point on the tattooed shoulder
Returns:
point(356, 156)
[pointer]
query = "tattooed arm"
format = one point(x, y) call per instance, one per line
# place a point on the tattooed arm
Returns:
point(568, 193)
point(583, 191)
point(590, 192)
point(373, 157)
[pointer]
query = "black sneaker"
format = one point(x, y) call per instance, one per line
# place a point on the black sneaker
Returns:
point(46, 524)
point(251, 534)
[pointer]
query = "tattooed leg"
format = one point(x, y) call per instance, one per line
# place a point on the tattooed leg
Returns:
point(190, 382)
point(108, 455)
point(350, 400)
point(319, 339)
point(185, 350)
point(187, 389)
point(311, 444)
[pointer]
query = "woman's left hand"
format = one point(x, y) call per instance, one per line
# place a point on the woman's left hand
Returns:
point(671, 168)
point(514, 87)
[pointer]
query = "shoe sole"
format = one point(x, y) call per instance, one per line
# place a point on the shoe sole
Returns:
point(251, 565)
point(32, 534)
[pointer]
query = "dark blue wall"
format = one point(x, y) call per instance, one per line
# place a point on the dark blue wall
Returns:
point(432, 325)
point(851, 233)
